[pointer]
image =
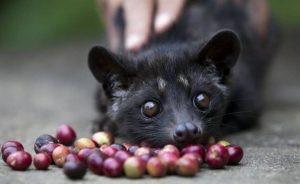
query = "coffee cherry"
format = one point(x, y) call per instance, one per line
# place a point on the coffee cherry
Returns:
point(171, 149)
point(134, 167)
point(112, 167)
point(75, 169)
point(95, 162)
point(235, 154)
point(194, 156)
point(169, 160)
point(142, 151)
point(103, 138)
point(121, 156)
point(15, 144)
point(10, 150)
point(42, 161)
point(19, 160)
point(59, 155)
point(84, 143)
point(132, 149)
point(109, 151)
point(186, 166)
point(65, 135)
point(217, 156)
point(155, 167)
point(198, 149)
point(42, 140)
point(85, 152)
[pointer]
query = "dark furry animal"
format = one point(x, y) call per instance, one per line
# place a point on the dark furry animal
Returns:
point(185, 84)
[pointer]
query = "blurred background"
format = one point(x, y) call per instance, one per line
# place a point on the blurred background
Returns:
point(33, 24)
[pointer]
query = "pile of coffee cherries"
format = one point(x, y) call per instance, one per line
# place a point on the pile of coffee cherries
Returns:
point(102, 156)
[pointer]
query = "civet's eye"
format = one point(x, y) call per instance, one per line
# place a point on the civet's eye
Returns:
point(201, 101)
point(151, 109)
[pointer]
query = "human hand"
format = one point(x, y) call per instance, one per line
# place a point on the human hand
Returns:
point(139, 18)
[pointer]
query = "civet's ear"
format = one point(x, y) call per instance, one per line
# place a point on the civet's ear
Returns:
point(104, 65)
point(223, 49)
point(108, 70)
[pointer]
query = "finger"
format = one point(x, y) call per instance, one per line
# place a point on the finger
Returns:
point(167, 13)
point(138, 17)
point(259, 16)
point(263, 17)
point(109, 9)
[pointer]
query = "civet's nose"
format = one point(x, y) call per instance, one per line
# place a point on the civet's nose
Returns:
point(186, 132)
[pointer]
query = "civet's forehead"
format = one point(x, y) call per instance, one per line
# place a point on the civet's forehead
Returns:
point(182, 79)
point(167, 71)
point(164, 84)
point(161, 84)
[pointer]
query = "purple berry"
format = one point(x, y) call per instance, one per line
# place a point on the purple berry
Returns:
point(95, 162)
point(16, 144)
point(66, 135)
point(112, 167)
point(121, 156)
point(235, 154)
point(10, 150)
point(199, 149)
point(75, 169)
point(19, 160)
point(42, 161)
point(217, 156)
point(42, 140)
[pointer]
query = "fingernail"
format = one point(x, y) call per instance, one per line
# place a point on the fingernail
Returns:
point(133, 42)
point(162, 22)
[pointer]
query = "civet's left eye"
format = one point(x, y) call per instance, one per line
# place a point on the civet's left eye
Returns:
point(201, 101)
point(151, 108)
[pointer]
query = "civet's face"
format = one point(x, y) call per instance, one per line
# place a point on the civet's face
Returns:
point(168, 97)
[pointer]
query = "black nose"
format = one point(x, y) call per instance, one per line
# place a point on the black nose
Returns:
point(186, 132)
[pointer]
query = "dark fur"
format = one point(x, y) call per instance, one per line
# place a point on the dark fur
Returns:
point(196, 49)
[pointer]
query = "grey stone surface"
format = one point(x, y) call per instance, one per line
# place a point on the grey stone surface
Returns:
point(41, 89)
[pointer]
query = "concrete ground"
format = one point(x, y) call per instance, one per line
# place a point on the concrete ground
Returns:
point(39, 90)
